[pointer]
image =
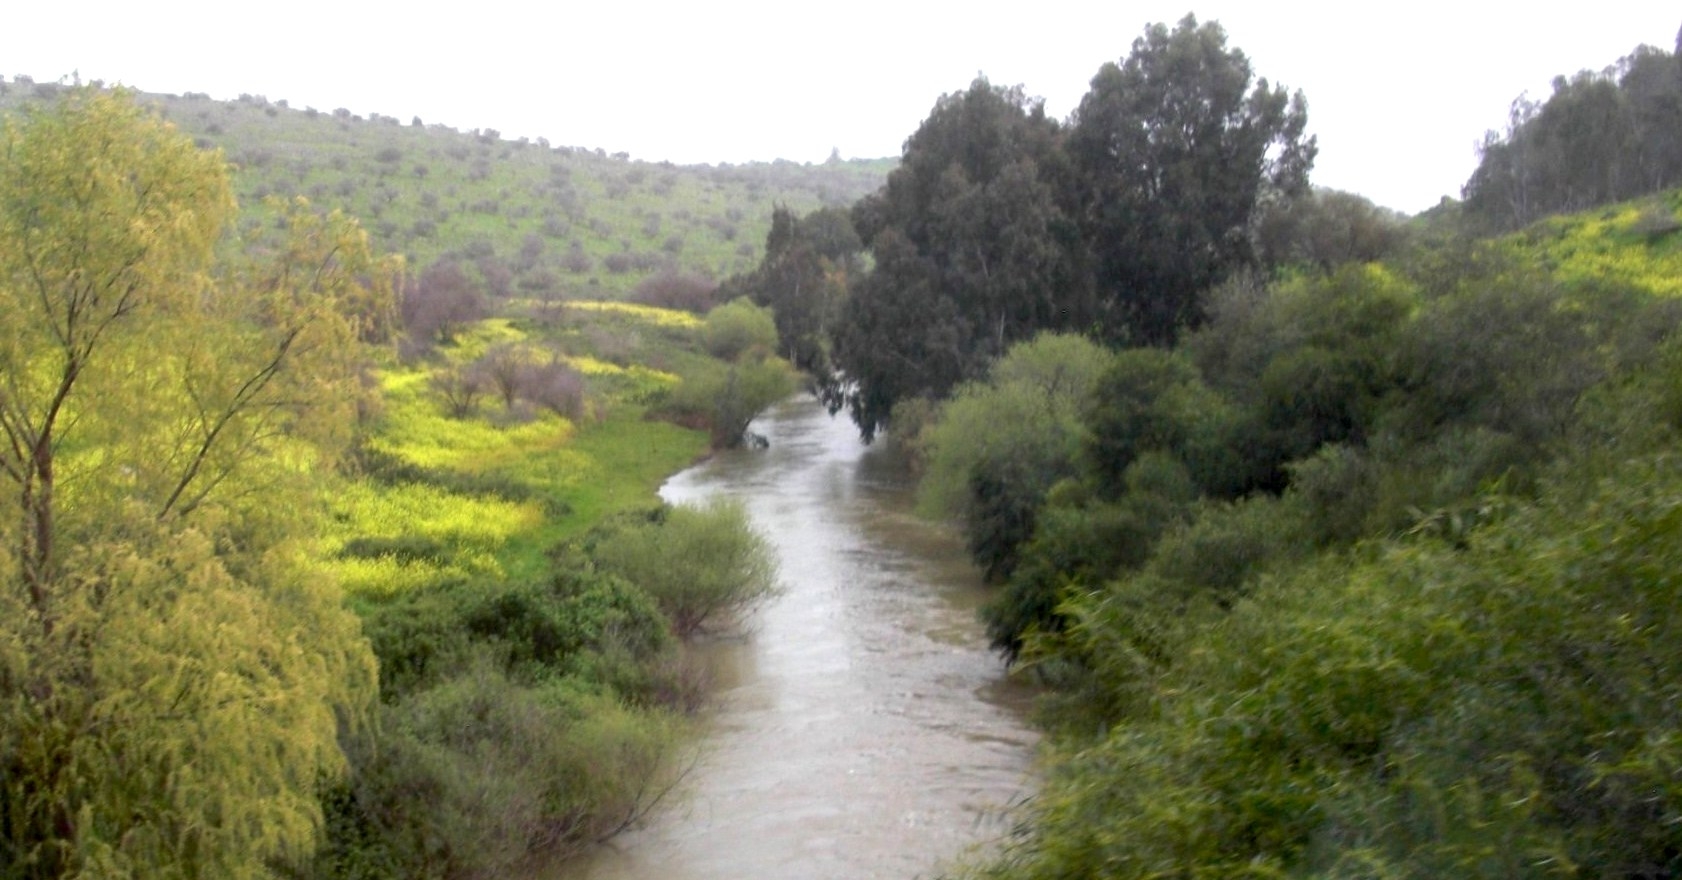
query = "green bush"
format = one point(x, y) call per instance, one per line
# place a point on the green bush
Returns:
point(1215, 555)
point(699, 564)
point(1412, 711)
point(725, 398)
point(1080, 542)
point(417, 637)
point(474, 776)
point(1153, 400)
point(998, 446)
point(739, 329)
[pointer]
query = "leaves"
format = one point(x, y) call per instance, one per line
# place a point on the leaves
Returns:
point(175, 679)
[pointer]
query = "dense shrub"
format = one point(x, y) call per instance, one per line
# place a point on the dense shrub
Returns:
point(724, 399)
point(472, 777)
point(676, 290)
point(700, 564)
point(1417, 711)
point(998, 446)
point(739, 329)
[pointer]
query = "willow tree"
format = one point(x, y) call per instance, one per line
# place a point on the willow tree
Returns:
point(172, 675)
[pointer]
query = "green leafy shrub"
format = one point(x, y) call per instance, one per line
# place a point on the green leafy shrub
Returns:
point(998, 446)
point(739, 329)
point(724, 398)
point(699, 564)
point(1412, 711)
point(472, 777)
point(1080, 542)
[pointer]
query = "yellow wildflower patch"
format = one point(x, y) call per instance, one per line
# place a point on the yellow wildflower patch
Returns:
point(651, 314)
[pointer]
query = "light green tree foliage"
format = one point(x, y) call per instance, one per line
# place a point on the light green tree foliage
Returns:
point(739, 329)
point(725, 398)
point(999, 445)
point(172, 677)
point(699, 563)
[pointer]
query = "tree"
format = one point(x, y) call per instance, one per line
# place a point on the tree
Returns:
point(803, 280)
point(1602, 136)
point(973, 250)
point(172, 678)
point(739, 329)
point(440, 303)
point(1174, 149)
point(725, 398)
point(1327, 229)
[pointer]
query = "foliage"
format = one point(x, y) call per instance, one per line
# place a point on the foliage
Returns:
point(803, 280)
point(1315, 357)
point(1000, 224)
point(725, 398)
point(699, 563)
point(1487, 712)
point(1174, 151)
point(1326, 228)
point(1150, 400)
point(739, 329)
point(1599, 138)
point(972, 252)
point(471, 777)
point(1079, 541)
point(173, 677)
point(998, 446)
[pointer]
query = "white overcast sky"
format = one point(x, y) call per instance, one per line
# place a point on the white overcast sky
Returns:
point(1399, 93)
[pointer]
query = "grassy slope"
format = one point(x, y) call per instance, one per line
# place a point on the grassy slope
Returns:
point(427, 191)
point(490, 494)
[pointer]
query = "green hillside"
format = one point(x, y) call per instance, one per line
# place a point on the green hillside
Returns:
point(537, 219)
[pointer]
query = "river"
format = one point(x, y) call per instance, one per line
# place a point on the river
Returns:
point(862, 727)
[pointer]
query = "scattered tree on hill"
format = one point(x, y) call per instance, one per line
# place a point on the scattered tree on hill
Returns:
point(438, 304)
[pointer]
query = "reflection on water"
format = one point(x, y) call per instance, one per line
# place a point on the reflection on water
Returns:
point(863, 728)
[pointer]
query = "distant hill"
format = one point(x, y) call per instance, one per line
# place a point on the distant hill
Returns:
point(534, 217)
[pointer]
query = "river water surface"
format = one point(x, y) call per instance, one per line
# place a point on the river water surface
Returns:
point(863, 729)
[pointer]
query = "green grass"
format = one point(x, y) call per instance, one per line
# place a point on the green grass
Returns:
point(1636, 246)
point(448, 499)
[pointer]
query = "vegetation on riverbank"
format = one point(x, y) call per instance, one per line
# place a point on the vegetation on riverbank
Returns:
point(217, 459)
point(1344, 544)
point(1367, 569)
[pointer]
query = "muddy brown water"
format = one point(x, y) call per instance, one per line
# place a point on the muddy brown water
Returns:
point(862, 727)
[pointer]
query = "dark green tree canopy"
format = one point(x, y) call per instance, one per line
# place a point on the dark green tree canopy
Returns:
point(1174, 149)
point(974, 250)
point(1001, 223)
point(1600, 137)
point(803, 280)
